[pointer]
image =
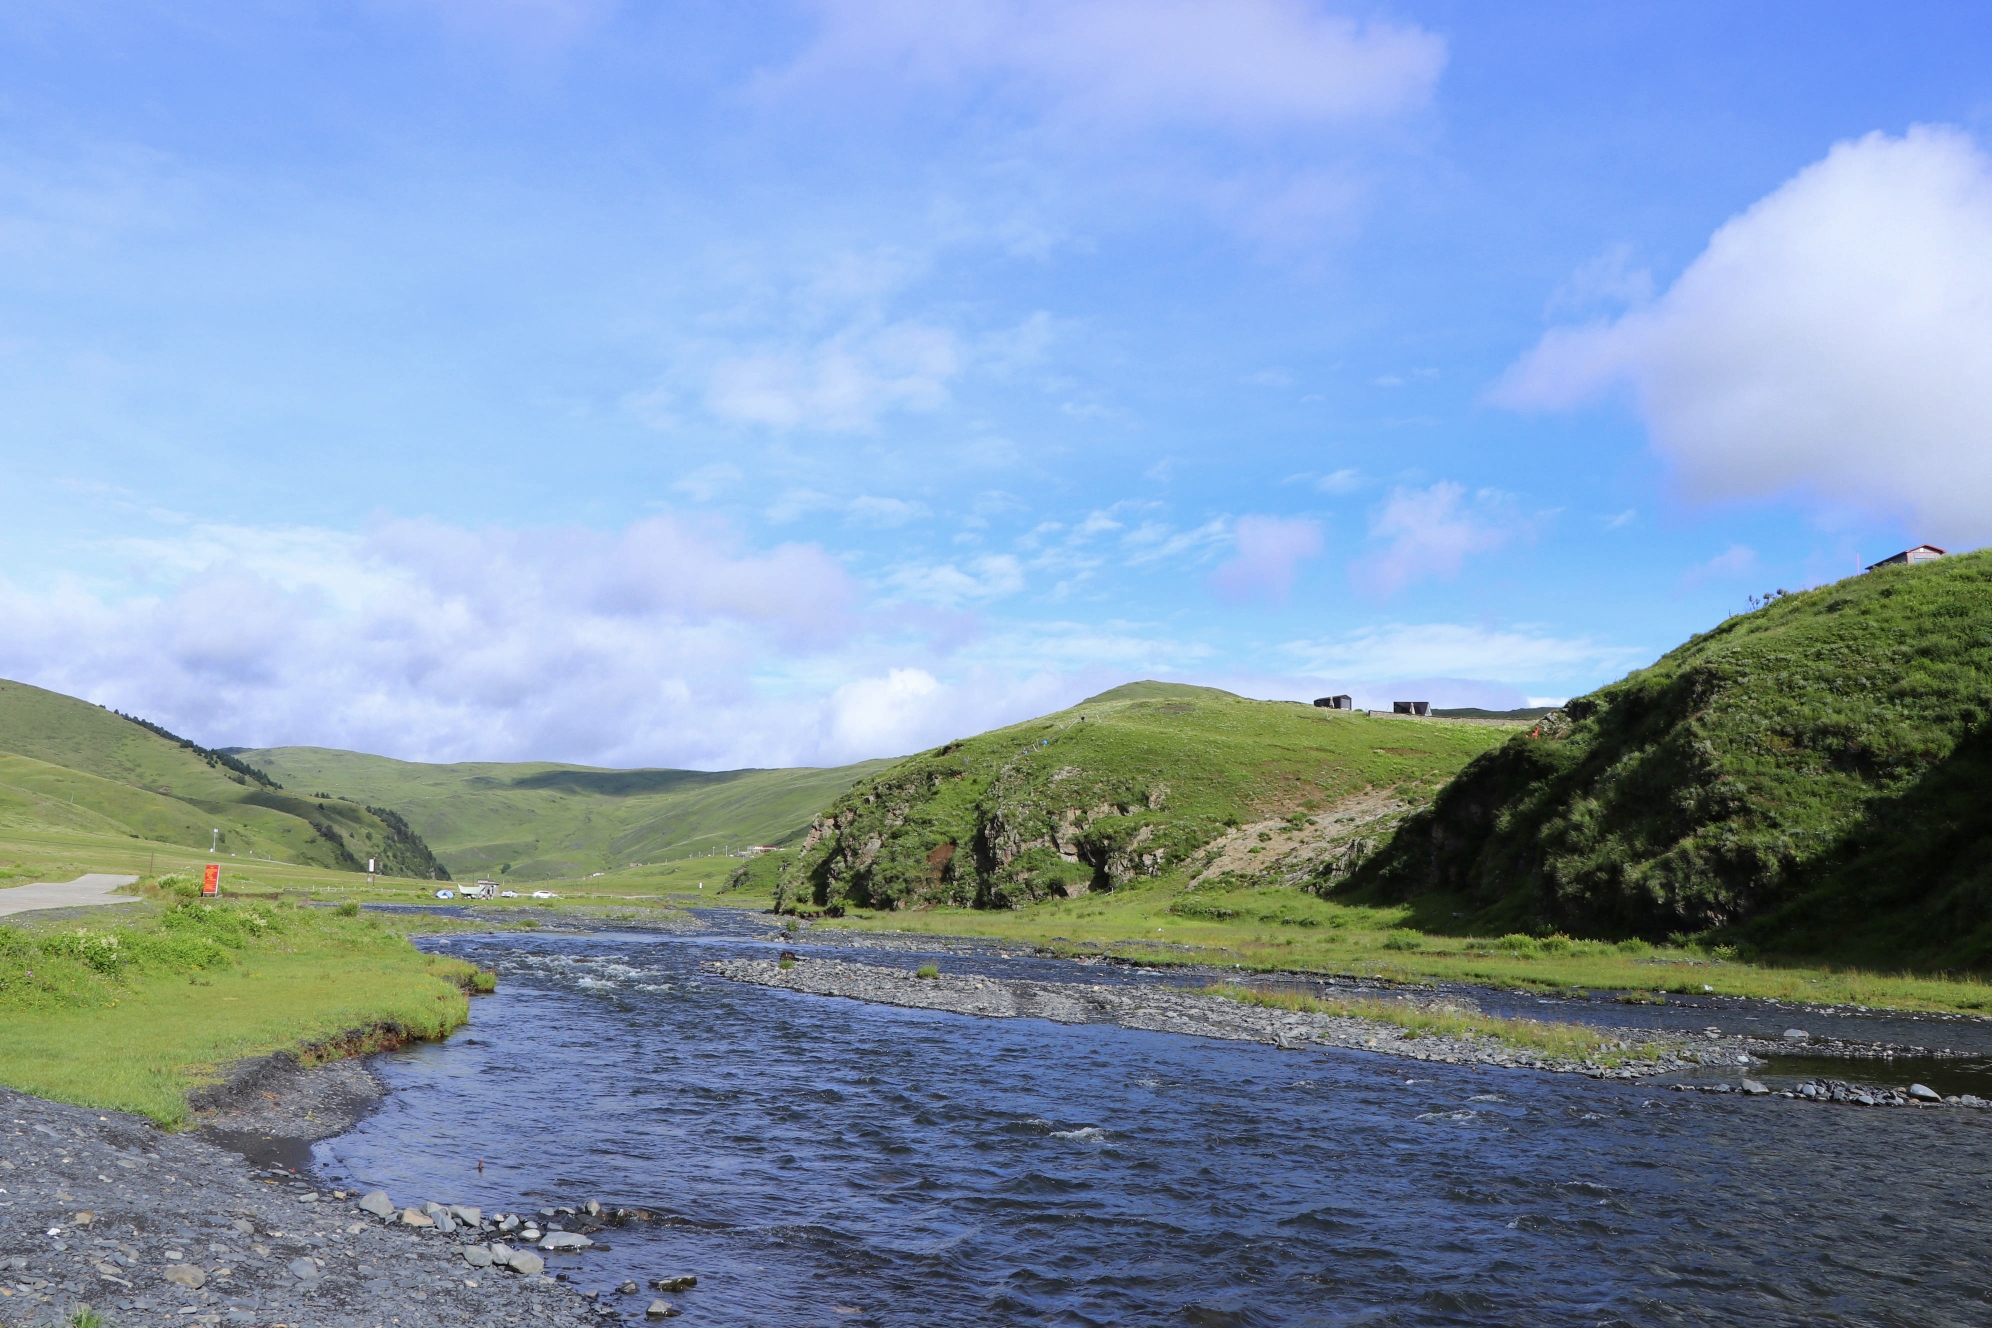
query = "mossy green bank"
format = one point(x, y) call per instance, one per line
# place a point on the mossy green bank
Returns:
point(1813, 778)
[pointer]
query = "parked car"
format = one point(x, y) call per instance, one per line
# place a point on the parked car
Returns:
point(545, 894)
point(508, 894)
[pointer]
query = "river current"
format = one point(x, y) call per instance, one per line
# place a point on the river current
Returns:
point(824, 1161)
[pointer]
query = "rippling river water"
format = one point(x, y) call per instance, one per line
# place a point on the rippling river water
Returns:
point(822, 1161)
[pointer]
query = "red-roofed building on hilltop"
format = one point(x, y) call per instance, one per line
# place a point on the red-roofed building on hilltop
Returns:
point(1922, 553)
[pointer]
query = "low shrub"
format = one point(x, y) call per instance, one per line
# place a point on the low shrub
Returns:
point(1208, 910)
point(1403, 939)
point(928, 971)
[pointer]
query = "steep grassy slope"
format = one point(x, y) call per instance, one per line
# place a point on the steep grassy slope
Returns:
point(1814, 777)
point(65, 763)
point(1140, 782)
point(536, 821)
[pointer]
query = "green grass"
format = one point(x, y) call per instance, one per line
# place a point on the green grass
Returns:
point(539, 821)
point(1577, 1042)
point(1130, 784)
point(130, 1009)
point(66, 764)
point(1259, 933)
point(1813, 778)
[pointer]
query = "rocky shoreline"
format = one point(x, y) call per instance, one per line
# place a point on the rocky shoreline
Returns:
point(104, 1212)
point(1165, 1010)
point(1162, 1009)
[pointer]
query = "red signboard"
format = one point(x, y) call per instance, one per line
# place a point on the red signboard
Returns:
point(211, 882)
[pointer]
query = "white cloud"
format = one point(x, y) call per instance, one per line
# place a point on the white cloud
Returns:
point(1431, 533)
point(432, 642)
point(1607, 279)
point(794, 504)
point(1156, 541)
point(1732, 562)
point(1249, 64)
point(949, 585)
point(1519, 654)
point(882, 513)
point(1835, 338)
point(909, 709)
point(1341, 481)
point(841, 384)
point(705, 483)
point(1270, 550)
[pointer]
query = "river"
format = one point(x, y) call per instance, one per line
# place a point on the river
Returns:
point(824, 1161)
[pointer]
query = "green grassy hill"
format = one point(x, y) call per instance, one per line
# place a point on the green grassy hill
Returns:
point(1814, 777)
point(1149, 780)
point(533, 821)
point(70, 765)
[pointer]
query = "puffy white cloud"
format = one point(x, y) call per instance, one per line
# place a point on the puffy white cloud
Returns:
point(1835, 338)
point(429, 641)
point(1270, 549)
point(667, 643)
point(1231, 63)
point(1431, 533)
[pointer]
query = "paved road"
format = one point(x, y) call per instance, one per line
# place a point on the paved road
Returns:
point(92, 889)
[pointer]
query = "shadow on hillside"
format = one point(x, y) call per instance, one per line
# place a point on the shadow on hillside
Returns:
point(1911, 886)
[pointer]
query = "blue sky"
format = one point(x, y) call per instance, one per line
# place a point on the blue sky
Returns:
point(797, 382)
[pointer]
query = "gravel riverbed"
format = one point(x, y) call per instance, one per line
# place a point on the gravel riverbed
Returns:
point(105, 1211)
point(1163, 1010)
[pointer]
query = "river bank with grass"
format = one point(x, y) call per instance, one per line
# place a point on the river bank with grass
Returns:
point(1286, 930)
point(139, 1008)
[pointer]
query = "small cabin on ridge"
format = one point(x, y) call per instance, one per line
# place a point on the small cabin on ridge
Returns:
point(1922, 553)
point(1410, 707)
point(1343, 702)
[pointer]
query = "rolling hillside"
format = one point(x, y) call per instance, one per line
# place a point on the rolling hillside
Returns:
point(529, 821)
point(1814, 777)
point(1149, 780)
point(73, 765)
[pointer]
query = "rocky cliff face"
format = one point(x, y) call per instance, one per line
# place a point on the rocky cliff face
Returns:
point(937, 830)
point(1147, 781)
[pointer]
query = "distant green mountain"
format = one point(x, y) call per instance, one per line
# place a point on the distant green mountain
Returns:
point(1814, 777)
point(71, 764)
point(533, 821)
point(1138, 782)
